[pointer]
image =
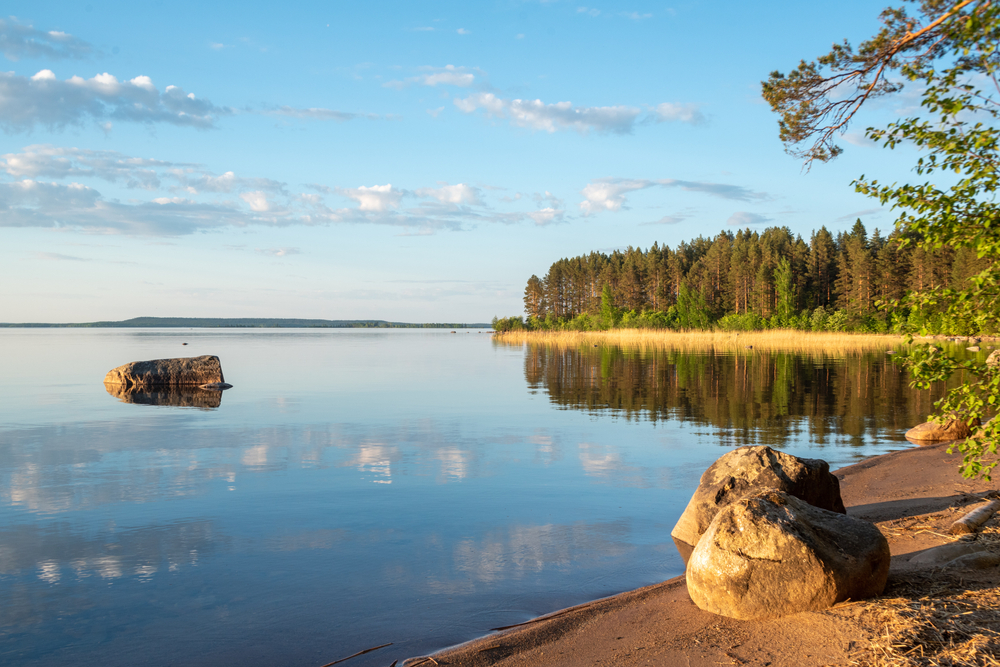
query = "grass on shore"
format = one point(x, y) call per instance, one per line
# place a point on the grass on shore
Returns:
point(942, 624)
point(775, 339)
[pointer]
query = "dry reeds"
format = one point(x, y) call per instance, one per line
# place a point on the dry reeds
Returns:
point(789, 340)
point(947, 627)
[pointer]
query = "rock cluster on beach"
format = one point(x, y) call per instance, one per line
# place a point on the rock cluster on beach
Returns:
point(749, 470)
point(769, 536)
point(204, 372)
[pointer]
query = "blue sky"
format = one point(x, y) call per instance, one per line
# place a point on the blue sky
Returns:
point(409, 161)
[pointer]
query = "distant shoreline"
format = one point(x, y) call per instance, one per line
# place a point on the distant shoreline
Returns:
point(244, 323)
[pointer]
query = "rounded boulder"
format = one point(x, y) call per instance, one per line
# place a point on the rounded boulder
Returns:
point(184, 371)
point(952, 429)
point(750, 471)
point(773, 554)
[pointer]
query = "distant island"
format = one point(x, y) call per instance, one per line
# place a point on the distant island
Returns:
point(251, 323)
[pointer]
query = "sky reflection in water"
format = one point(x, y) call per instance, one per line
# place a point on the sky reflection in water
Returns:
point(361, 487)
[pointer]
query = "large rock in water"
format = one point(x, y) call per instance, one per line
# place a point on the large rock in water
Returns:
point(771, 555)
point(953, 429)
point(187, 371)
point(752, 470)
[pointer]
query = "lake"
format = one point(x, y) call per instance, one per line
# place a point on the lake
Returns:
point(358, 487)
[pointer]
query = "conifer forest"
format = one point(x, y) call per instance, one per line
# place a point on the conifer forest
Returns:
point(749, 280)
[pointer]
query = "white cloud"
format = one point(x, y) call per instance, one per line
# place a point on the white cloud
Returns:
point(546, 198)
point(745, 218)
point(608, 194)
point(463, 31)
point(18, 40)
point(257, 200)
point(58, 257)
point(45, 100)
point(449, 75)
point(636, 16)
point(858, 139)
point(537, 115)
point(683, 113)
point(546, 216)
point(42, 160)
point(30, 203)
point(459, 193)
point(196, 183)
point(376, 198)
point(185, 199)
point(669, 219)
point(857, 214)
point(318, 113)
point(435, 112)
point(278, 252)
point(589, 11)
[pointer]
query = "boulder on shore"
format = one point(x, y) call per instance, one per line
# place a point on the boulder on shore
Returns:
point(186, 371)
point(772, 555)
point(953, 429)
point(749, 471)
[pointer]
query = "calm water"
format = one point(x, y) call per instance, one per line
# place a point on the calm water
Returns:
point(359, 487)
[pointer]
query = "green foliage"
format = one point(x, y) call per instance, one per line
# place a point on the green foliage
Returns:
point(742, 322)
point(819, 318)
point(609, 314)
point(505, 324)
point(950, 50)
point(977, 396)
point(784, 286)
point(691, 310)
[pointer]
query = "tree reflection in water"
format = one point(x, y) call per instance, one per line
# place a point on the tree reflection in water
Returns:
point(751, 397)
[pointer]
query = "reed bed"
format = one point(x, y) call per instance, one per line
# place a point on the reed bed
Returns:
point(790, 340)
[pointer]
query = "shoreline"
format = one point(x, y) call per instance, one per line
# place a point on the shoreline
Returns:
point(772, 340)
point(900, 491)
point(741, 342)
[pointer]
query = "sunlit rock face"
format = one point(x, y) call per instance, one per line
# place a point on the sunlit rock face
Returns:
point(772, 554)
point(181, 397)
point(752, 470)
point(187, 371)
point(953, 429)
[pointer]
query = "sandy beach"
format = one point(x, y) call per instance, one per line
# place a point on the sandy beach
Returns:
point(913, 496)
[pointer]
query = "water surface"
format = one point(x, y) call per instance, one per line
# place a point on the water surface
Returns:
point(359, 487)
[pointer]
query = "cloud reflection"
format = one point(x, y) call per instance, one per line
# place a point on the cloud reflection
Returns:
point(376, 460)
point(55, 552)
point(517, 551)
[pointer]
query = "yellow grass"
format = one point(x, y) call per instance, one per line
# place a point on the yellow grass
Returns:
point(774, 340)
point(930, 625)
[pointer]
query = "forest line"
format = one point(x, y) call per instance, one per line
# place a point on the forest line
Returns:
point(749, 280)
